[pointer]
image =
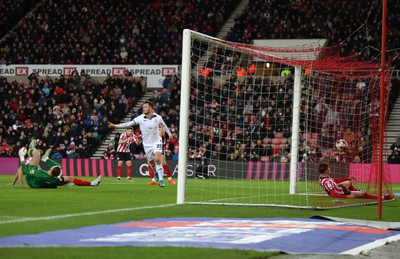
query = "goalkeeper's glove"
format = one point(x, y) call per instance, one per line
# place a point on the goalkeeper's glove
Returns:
point(22, 153)
point(60, 177)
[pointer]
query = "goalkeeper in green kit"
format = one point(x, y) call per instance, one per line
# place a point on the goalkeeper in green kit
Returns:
point(36, 177)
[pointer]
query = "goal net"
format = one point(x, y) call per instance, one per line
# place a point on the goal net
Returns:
point(257, 121)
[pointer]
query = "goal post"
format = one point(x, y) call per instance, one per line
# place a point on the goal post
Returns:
point(184, 116)
point(255, 122)
point(295, 130)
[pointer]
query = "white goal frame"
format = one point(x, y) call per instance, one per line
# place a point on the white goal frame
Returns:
point(184, 120)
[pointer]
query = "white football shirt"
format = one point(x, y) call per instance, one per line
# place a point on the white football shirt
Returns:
point(148, 127)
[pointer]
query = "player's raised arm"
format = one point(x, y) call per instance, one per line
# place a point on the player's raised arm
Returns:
point(122, 125)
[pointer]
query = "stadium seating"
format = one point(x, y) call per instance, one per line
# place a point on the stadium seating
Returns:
point(81, 122)
point(68, 32)
point(130, 30)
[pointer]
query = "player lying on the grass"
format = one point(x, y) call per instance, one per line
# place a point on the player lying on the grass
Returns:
point(342, 187)
point(68, 180)
point(19, 174)
point(167, 171)
point(39, 178)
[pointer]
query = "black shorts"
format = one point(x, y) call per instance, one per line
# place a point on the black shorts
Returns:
point(163, 149)
point(124, 156)
point(345, 190)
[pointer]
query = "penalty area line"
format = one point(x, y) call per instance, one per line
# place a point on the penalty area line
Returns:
point(83, 214)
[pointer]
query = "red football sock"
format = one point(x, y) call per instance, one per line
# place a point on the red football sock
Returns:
point(370, 196)
point(151, 172)
point(166, 170)
point(128, 171)
point(119, 168)
point(81, 182)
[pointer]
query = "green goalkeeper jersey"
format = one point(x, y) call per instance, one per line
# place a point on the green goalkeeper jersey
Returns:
point(39, 178)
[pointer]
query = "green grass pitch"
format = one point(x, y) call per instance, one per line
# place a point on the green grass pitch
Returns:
point(31, 211)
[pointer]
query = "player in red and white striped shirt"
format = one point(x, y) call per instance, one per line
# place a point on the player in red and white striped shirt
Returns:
point(342, 187)
point(124, 153)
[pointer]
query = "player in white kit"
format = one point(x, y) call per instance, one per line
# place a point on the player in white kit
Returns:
point(149, 123)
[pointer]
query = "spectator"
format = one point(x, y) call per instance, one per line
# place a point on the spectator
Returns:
point(394, 157)
point(201, 170)
point(166, 81)
point(332, 118)
point(73, 154)
point(56, 154)
point(110, 152)
point(63, 151)
point(258, 151)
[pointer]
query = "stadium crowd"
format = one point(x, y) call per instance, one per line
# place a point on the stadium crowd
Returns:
point(69, 114)
point(126, 32)
point(108, 32)
point(252, 120)
point(123, 32)
point(355, 25)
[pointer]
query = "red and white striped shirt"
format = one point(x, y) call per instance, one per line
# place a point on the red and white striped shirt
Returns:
point(28, 160)
point(125, 147)
point(329, 184)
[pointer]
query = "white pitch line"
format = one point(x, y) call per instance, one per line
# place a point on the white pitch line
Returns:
point(14, 217)
point(83, 214)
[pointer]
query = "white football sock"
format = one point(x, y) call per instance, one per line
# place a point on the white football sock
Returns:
point(160, 171)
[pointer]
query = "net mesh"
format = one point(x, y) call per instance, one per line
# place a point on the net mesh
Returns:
point(240, 123)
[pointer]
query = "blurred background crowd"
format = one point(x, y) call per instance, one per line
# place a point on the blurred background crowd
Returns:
point(70, 114)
